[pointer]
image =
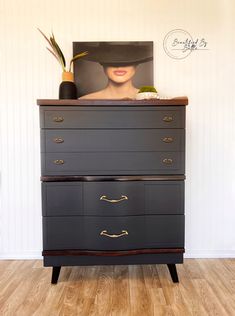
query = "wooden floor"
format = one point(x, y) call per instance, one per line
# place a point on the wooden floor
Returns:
point(207, 287)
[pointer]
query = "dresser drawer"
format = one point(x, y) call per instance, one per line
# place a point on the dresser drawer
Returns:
point(112, 198)
point(100, 140)
point(109, 163)
point(112, 117)
point(107, 233)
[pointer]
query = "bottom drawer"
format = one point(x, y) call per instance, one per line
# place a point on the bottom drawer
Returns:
point(109, 233)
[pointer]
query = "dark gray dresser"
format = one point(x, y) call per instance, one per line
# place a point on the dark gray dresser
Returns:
point(112, 177)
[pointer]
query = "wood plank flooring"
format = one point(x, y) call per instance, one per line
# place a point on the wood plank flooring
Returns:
point(207, 287)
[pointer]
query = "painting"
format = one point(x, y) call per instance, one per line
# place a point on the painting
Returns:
point(113, 70)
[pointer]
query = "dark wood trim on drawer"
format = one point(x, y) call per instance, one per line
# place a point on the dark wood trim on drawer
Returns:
point(153, 102)
point(113, 178)
point(110, 253)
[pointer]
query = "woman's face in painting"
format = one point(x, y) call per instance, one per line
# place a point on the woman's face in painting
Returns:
point(120, 74)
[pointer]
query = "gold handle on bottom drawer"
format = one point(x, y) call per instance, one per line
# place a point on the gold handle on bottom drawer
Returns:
point(105, 233)
point(104, 198)
point(167, 161)
point(59, 161)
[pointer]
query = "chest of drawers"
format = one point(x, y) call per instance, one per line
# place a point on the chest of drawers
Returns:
point(112, 182)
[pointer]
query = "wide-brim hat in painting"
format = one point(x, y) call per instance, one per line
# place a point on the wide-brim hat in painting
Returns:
point(120, 53)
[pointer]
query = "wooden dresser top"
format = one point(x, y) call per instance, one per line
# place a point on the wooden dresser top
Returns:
point(178, 101)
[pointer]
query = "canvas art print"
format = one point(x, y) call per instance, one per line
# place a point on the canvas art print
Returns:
point(113, 70)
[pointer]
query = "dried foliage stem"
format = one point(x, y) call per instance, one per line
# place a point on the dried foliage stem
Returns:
point(57, 53)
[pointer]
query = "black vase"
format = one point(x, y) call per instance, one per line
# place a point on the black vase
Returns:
point(67, 90)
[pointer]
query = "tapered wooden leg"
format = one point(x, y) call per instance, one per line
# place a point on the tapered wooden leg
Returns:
point(173, 272)
point(55, 274)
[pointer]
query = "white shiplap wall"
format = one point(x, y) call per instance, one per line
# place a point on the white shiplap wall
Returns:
point(29, 72)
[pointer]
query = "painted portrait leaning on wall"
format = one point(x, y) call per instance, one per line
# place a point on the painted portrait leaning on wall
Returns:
point(113, 70)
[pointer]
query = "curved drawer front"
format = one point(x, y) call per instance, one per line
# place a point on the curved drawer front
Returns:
point(112, 198)
point(106, 163)
point(112, 117)
point(101, 140)
point(105, 233)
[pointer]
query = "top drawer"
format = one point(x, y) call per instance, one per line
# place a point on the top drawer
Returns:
point(112, 117)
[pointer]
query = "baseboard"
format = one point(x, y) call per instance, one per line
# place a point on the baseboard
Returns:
point(209, 254)
point(32, 255)
point(190, 254)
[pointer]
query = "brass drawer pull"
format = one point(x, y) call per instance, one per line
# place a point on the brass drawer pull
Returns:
point(167, 139)
point(59, 162)
point(167, 119)
point(167, 161)
point(58, 140)
point(104, 198)
point(58, 119)
point(105, 233)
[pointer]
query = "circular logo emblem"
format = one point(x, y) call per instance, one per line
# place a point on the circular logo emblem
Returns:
point(178, 44)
